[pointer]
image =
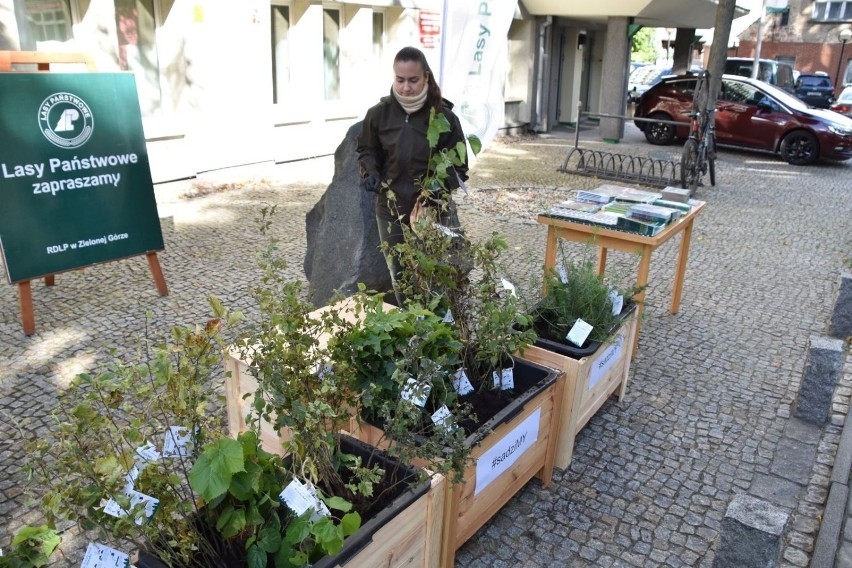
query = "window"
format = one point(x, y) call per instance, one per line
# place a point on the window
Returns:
point(44, 20)
point(827, 10)
point(280, 53)
point(331, 53)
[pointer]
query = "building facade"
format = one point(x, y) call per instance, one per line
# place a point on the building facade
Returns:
point(223, 83)
point(806, 34)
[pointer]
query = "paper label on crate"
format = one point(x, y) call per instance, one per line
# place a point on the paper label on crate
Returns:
point(509, 286)
point(102, 556)
point(563, 273)
point(448, 317)
point(617, 301)
point(502, 455)
point(504, 380)
point(443, 417)
point(461, 383)
point(417, 393)
point(151, 505)
point(579, 332)
point(605, 361)
point(147, 453)
point(300, 498)
point(178, 442)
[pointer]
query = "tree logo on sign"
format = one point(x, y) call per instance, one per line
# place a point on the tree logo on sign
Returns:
point(65, 120)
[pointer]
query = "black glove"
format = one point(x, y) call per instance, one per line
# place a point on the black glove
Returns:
point(371, 183)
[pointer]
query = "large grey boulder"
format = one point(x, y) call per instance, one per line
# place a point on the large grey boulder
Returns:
point(343, 237)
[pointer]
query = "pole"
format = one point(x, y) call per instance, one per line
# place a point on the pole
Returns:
point(756, 66)
point(839, 64)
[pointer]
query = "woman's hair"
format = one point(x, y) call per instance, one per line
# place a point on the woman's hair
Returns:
point(434, 94)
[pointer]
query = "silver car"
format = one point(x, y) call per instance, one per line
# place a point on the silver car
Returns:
point(843, 104)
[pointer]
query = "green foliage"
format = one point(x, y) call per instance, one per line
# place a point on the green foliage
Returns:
point(441, 161)
point(31, 548)
point(584, 295)
point(411, 350)
point(643, 46)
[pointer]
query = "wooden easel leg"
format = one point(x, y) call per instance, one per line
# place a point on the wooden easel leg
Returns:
point(157, 273)
point(50, 280)
point(25, 300)
point(601, 268)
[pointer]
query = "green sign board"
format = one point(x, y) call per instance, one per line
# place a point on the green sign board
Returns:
point(75, 185)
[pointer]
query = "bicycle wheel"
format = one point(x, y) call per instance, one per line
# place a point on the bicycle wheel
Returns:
point(689, 166)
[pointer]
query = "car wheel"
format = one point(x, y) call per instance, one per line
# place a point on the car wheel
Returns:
point(659, 133)
point(800, 148)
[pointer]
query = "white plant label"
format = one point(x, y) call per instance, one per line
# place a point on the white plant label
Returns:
point(300, 498)
point(447, 231)
point(579, 332)
point(416, 393)
point(504, 380)
point(617, 301)
point(443, 417)
point(151, 505)
point(563, 273)
point(448, 317)
point(102, 556)
point(500, 457)
point(148, 453)
point(130, 478)
point(509, 286)
point(605, 361)
point(461, 383)
point(178, 442)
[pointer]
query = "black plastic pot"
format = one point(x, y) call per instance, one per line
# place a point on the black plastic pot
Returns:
point(530, 379)
point(407, 474)
point(589, 347)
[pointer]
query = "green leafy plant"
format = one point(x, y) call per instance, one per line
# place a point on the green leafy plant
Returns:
point(578, 292)
point(31, 547)
point(393, 357)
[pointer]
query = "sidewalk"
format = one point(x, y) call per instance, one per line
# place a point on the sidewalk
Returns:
point(708, 410)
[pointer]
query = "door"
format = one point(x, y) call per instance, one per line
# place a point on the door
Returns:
point(746, 116)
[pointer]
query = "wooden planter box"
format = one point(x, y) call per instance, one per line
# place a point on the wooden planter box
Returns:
point(519, 444)
point(589, 382)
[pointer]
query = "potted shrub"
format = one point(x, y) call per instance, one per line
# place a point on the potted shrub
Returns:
point(595, 365)
point(506, 423)
point(139, 455)
point(300, 390)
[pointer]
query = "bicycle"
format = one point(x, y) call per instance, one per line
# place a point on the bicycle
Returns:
point(699, 151)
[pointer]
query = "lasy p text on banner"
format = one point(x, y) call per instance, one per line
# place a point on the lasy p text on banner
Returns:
point(473, 62)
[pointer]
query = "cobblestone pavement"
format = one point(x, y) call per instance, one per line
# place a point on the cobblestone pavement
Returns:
point(707, 412)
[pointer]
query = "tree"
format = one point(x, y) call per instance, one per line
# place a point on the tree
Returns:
point(643, 46)
point(719, 49)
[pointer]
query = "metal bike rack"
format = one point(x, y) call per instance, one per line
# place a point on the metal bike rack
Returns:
point(621, 167)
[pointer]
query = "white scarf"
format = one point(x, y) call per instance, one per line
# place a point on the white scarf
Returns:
point(411, 104)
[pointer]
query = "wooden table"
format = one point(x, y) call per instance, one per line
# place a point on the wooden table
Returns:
point(607, 239)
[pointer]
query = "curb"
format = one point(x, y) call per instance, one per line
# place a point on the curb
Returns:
point(828, 539)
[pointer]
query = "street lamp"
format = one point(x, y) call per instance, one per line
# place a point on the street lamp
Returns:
point(845, 35)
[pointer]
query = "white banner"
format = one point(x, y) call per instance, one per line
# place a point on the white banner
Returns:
point(473, 62)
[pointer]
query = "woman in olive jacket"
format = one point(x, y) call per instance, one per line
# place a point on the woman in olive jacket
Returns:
point(393, 151)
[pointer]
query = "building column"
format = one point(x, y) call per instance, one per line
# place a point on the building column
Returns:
point(682, 58)
point(614, 81)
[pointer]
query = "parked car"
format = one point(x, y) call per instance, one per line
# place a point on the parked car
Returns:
point(843, 104)
point(751, 114)
point(815, 89)
point(769, 71)
point(643, 78)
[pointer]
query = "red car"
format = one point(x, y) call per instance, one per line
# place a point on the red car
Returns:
point(752, 114)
